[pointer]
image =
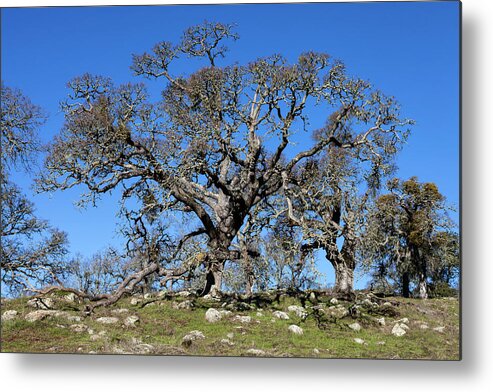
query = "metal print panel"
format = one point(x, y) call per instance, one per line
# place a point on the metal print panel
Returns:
point(267, 180)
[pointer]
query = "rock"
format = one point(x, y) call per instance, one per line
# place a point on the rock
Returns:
point(424, 326)
point(398, 329)
point(191, 337)
point(256, 352)
point(131, 321)
point(312, 297)
point(227, 342)
point(404, 320)
point(280, 315)
point(242, 319)
point(161, 294)
point(187, 304)
point(78, 327)
point(316, 351)
point(41, 303)
point(333, 301)
point(70, 298)
point(143, 348)
point(355, 327)
point(213, 315)
point(39, 315)
point(298, 310)
point(147, 296)
point(337, 312)
point(381, 321)
point(259, 314)
point(184, 293)
point(439, 329)
point(359, 341)
point(225, 312)
point(135, 301)
point(295, 329)
point(381, 343)
point(107, 320)
point(387, 304)
point(230, 335)
point(119, 311)
point(9, 315)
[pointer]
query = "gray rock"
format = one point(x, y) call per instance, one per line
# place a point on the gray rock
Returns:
point(242, 319)
point(9, 315)
point(334, 301)
point(119, 311)
point(135, 301)
point(439, 329)
point(280, 315)
point(187, 305)
point(184, 293)
point(107, 320)
point(424, 326)
point(41, 303)
point(256, 352)
point(298, 310)
point(70, 298)
point(381, 321)
point(359, 341)
point(259, 314)
point(227, 342)
point(404, 320)
point(191, 337)
point(131, 321)
point(225, 313)
point(230, 335)
point(380, 343)
point(337, 312)
point(399, 330)
point(213, 315)
point(316, 351)
point(39, 315)
point(78, 327)
point(355, 327)
point(295, 329)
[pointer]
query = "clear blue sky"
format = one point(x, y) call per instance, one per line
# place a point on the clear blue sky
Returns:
point(408, 50)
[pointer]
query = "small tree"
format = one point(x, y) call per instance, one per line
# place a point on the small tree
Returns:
point(408, 228)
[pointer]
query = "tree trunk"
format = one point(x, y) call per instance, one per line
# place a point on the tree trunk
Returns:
point(213, 280)
point(405, 284)
point(423, 287)
point(344, 278)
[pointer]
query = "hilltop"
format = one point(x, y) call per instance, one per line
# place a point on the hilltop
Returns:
point(272, 324)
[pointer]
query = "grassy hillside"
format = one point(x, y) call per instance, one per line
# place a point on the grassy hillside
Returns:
point(159, 326)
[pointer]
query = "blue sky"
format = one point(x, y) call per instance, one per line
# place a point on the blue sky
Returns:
point(408, 50)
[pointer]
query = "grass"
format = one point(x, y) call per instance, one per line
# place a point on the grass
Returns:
point(162, 328)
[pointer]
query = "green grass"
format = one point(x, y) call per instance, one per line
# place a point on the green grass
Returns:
point(163, 327)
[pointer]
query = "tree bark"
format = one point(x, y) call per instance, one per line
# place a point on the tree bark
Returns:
point(344, 275)
point(213, 279)
point(405, 284)
point(423, 287)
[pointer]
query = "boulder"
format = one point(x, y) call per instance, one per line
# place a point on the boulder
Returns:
point(9, 315)
point(135, 301)
point(187, 305)
point(333, 301)
point(381, 321)
point(256, 352)
point(359, 341)
point(39, 315)
point(242, 319)
point(107, 320)
point(227, 342)
point(295, 329)
point(355, 327)
point(280, 315)
point(439, 329)
point(70, 298)
point(78, 328)
point(298, 310)
point(131, 321)
point(41, 303)
point(399, 329)
point(337, 312)
point(191, 337)
point(213, 315)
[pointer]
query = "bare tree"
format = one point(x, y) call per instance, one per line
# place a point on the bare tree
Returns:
point(31, 252)
point(218, 143)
